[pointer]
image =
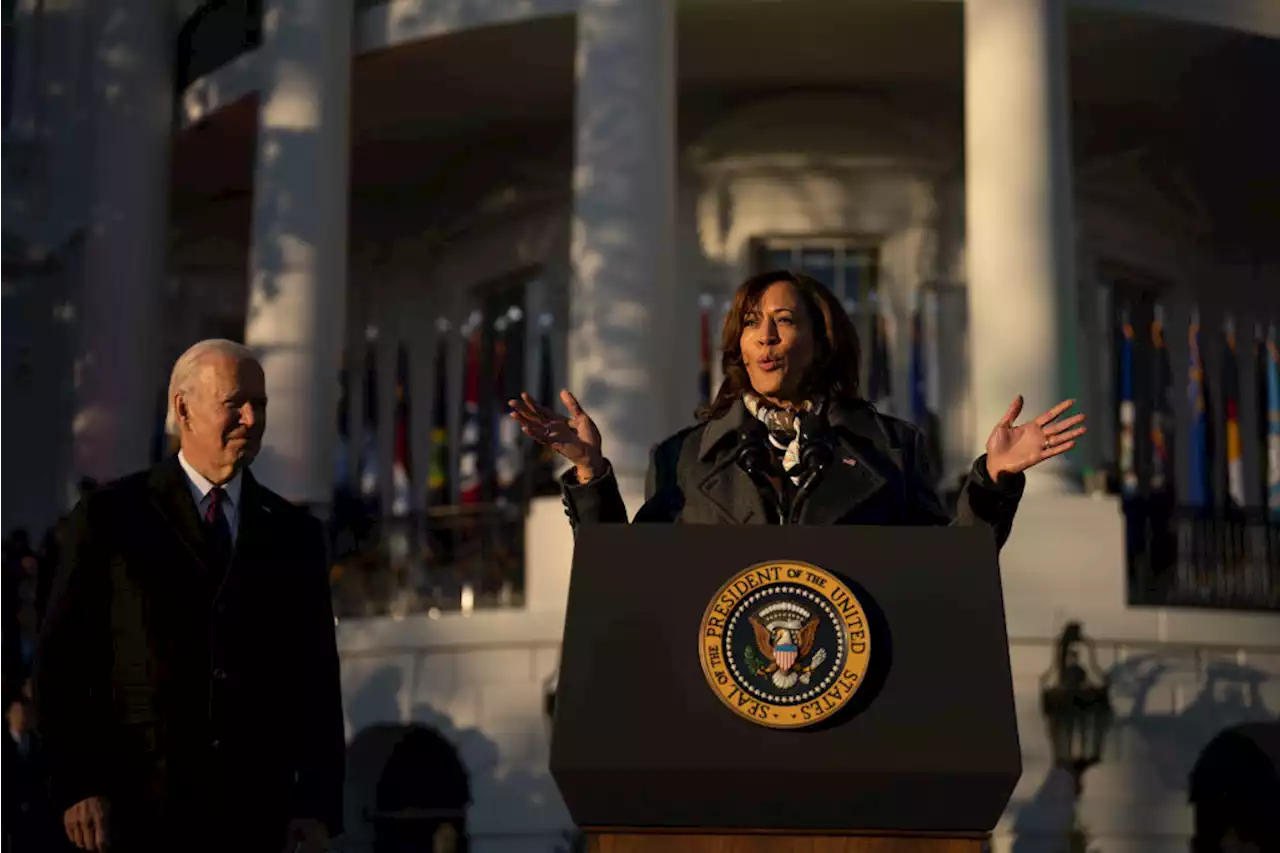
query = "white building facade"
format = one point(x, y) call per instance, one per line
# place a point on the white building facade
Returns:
point(318, 178)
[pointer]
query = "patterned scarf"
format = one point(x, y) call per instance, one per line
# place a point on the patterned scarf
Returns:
point(784, 428)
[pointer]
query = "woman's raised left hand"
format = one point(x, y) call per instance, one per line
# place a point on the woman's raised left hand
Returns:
point(1012, 449)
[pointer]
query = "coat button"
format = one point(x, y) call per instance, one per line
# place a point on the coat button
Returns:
point(216, 744)
point(220, 607)
point(220, 674)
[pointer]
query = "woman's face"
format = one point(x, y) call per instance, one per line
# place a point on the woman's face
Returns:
point(777, 343)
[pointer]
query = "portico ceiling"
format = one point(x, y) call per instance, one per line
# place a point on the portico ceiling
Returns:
point(1131, 79)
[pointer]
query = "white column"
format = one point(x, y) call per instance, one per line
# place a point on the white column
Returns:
point(623, 299)
point(119, 373)
point(1020, 234)
point(298, 267)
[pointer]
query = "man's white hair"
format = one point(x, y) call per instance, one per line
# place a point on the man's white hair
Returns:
point(182, 378)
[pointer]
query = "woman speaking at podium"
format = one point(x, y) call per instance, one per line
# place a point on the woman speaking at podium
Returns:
point(789, 439)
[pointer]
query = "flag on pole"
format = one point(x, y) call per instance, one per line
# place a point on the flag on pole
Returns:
point(1231, 406)
point(1273, 423)
point(369, 487)
point(705, 304)
point(1128, 469)
point(507, 452)
point(1200, 487)
point(438, 484)
point(401, 466)
point(545, 473)
point(1162, 416)
point(879, 381)
point(469, 461)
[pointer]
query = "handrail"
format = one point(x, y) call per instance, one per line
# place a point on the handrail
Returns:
point(1225, 558)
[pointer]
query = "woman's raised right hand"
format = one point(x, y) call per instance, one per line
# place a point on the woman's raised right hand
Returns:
point(576, 437)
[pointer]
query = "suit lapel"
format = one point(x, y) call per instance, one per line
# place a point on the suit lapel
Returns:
point(863, 449)
point(845, 486)
point(731, 491)
point(727, 486)
point(171, 496)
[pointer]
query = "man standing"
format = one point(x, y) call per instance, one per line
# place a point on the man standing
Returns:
point(187, 674)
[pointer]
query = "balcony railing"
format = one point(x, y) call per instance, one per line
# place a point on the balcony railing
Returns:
point(1219, 558)
point(215, 34)
point(451, 558)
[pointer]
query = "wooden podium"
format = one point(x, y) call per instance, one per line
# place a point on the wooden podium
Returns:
point(655, 749)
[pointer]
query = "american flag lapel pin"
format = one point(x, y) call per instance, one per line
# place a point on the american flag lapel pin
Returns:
point(850, 461)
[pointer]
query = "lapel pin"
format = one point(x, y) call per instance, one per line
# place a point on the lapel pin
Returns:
point(849, 461)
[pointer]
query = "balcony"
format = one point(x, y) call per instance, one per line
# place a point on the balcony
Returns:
point(1221, 558)
point(215, 34)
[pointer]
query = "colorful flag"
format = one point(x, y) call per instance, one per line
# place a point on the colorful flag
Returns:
point(1200, 487)
point(507, 452)
point(1231, 407)
point(1273, 423)
point(705, 304)
point(469, 461)
point(370, 492)
point(545, 474)
point(879, 381)
point(1128, 469)
point(439, 487)
point(401, 467)
point(1162, 416)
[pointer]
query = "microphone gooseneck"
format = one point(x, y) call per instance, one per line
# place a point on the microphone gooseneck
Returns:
point(753, 458)
point(817, 452)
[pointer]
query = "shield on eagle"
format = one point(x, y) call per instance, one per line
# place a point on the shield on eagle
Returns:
point(785, 656)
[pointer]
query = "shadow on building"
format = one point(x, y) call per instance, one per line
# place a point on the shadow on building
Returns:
point(1166, 746)
point(418, 785)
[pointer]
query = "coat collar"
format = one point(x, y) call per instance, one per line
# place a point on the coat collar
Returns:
point(864, 457)
point(172, 496)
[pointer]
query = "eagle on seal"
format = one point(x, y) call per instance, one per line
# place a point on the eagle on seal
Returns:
point(787, 646)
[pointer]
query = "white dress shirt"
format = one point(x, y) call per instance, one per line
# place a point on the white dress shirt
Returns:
point(201, 487)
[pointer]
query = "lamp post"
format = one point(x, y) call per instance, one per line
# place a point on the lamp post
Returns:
point(1076, 704)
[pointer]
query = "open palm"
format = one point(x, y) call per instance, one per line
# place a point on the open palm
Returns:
point(575, 437)
point(1012, 449)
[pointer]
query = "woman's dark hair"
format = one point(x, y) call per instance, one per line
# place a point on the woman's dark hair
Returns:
point(837, 356)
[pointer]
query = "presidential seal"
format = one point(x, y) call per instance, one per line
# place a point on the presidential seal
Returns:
point(785, 644)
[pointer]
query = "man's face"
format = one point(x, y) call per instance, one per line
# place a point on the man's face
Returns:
point(223, 416)
point(17, 717)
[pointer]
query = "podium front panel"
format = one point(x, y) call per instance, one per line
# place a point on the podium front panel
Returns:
point(928, 742)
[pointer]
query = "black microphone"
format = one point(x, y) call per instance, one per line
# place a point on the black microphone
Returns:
point(753, 458)
point(816, 446)
point(817, 452)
